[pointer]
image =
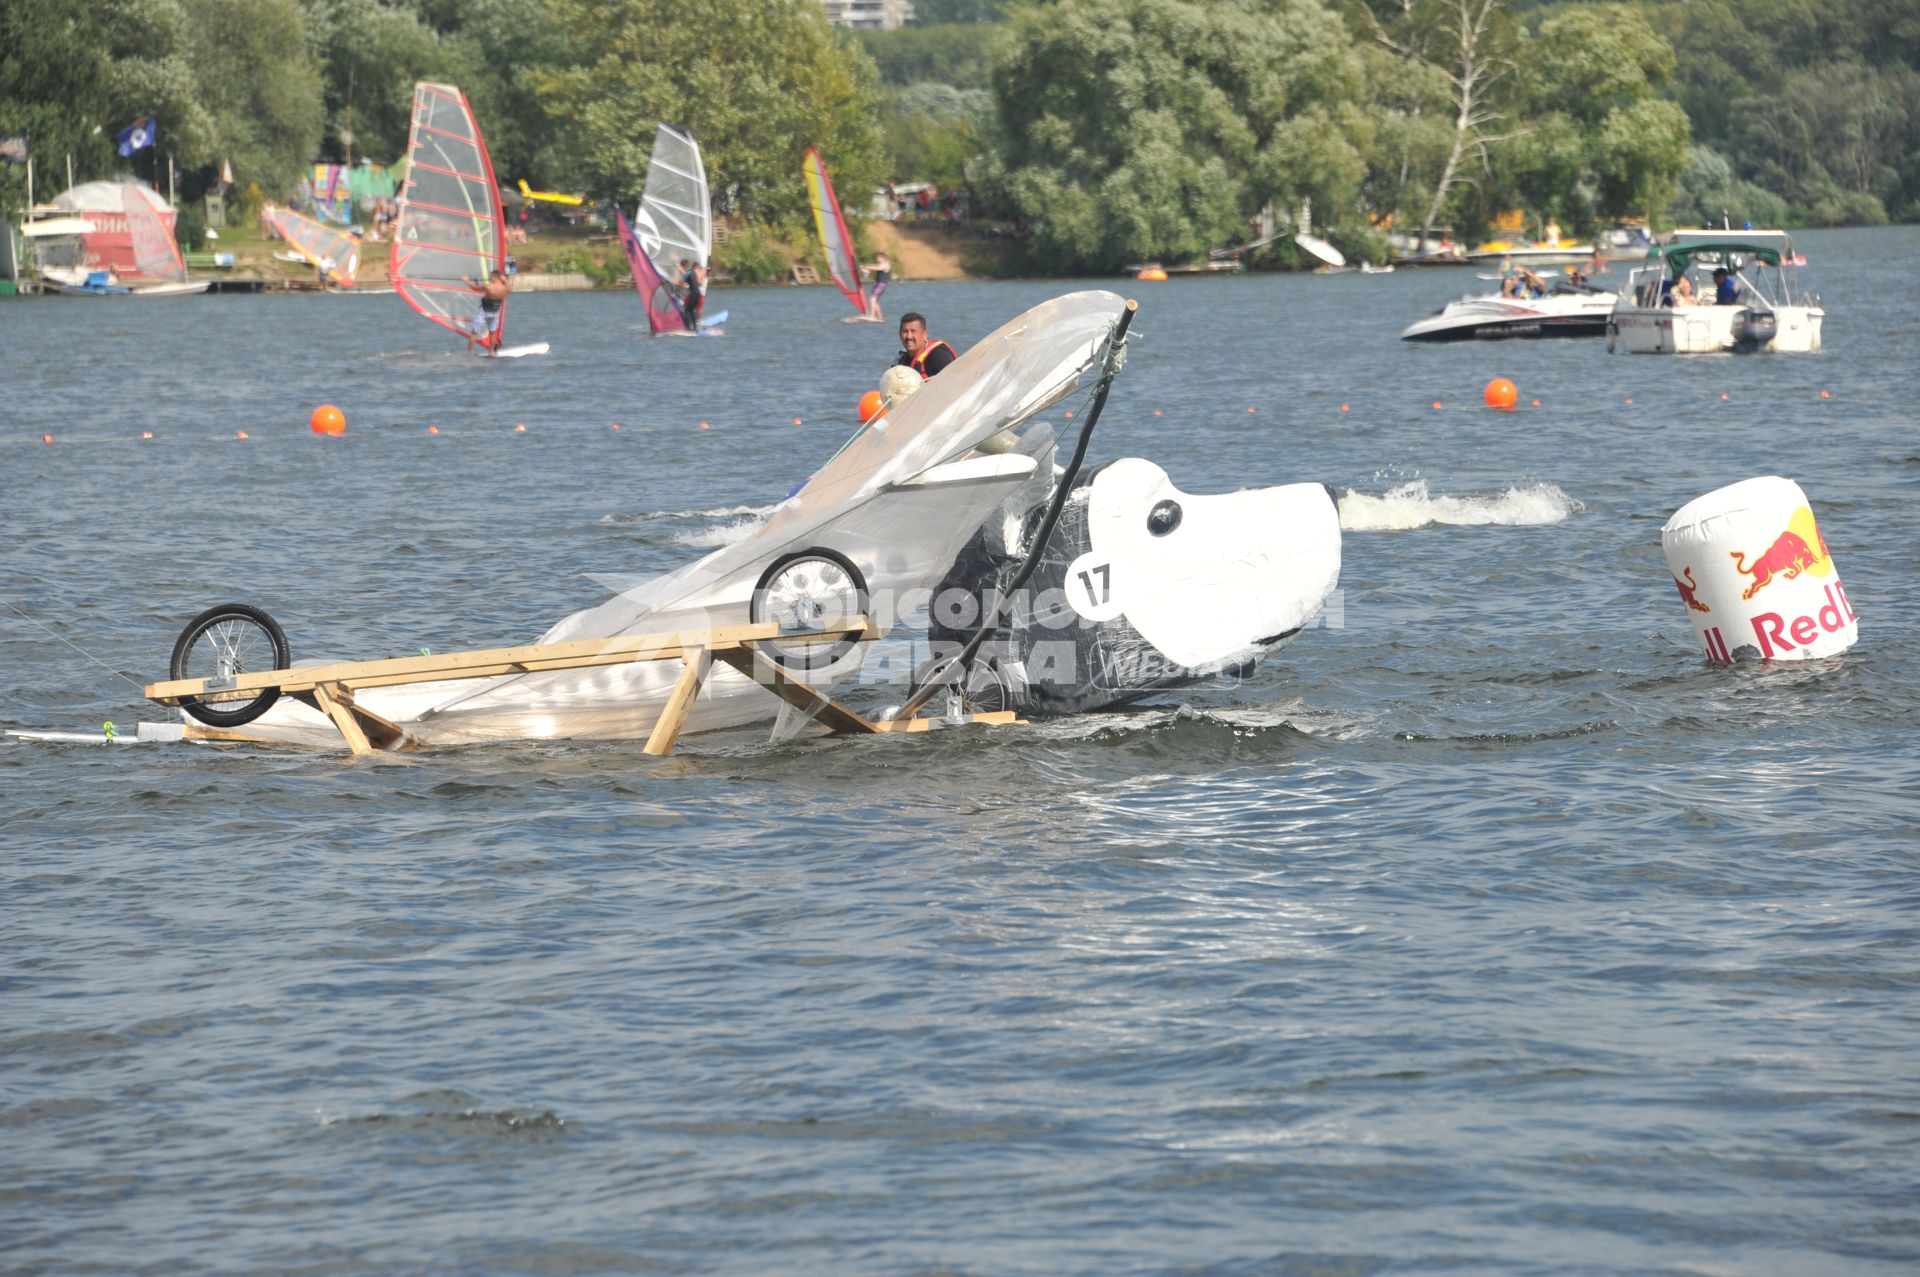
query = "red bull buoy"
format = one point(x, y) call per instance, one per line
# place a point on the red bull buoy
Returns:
point(327, 420)
point(1756, 576)
point(1502, 394)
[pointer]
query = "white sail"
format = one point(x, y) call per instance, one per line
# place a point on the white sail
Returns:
point(674, 220)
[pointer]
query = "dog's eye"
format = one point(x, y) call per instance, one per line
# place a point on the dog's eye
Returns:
point(1163, 518)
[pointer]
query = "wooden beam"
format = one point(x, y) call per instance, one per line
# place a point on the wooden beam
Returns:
point(493, 662)
point(673, 715)
point(342, 716)
point(991, 718)
point(810, 701)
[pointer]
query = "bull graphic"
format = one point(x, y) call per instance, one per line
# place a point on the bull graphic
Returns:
point(1788, 556)
point(1687, 588)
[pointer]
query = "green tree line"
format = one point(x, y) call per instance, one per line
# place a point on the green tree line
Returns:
point(1102, 132)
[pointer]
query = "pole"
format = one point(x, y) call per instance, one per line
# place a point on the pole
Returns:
point(29, 183)
point(69, 170)
point(943, 670)
point(170, 180)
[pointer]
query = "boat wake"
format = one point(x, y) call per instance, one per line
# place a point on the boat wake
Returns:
point(720, 526)
point(1412, 505)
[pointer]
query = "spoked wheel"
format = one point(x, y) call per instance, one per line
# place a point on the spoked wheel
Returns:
point(223, 642)
point(801, 591)
point(983, 686)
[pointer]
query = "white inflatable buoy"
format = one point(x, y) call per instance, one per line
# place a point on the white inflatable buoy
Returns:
point(1756, 576)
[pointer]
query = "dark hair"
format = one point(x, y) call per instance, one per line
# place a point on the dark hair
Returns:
point(913, 317)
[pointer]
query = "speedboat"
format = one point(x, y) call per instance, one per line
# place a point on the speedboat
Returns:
point(1567, 310)
point(1769, 311)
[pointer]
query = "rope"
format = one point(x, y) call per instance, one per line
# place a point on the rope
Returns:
point(75, 646)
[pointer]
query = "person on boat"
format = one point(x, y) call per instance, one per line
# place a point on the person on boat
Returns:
point(1681, 291)
point(882, 271)
point(1726, 291)
point(1597, 264)
point(926, 356)
point(486, 324)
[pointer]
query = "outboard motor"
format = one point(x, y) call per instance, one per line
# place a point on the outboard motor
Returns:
point(1754, 330)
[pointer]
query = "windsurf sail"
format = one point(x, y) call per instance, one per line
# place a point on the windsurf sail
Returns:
point(663, 305)
point(675, 220)
point(324, 247)
point(842, 263)
point(448, 238)
point(154, 249)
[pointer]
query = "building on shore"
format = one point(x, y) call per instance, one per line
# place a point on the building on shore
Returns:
point(869, 15)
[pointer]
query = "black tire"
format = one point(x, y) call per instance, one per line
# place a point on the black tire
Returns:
point(232, 638)
point(774, 599)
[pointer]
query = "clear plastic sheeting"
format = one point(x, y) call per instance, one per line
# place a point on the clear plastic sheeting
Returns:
point(448, 236)
point(1023, 368)
point(674, 221)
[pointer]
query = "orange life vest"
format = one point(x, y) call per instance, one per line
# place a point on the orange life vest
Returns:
point(920, 360)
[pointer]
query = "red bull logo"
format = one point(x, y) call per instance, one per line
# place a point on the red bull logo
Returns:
point(1799, 549)
point(1687, 588)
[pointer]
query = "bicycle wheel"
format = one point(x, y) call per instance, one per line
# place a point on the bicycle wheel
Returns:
point(223, 642)
point(801, 591)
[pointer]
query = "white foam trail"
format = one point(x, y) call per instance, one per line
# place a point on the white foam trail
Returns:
point(724, 533)
point(1411, 505)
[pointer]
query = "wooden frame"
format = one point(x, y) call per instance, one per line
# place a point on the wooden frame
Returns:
point(330, 688)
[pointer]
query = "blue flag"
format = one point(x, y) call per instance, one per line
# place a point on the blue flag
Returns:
point(137, 136)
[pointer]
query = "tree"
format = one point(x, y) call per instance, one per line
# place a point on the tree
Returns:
point(754, 82)
point(53, 87)
point(1139, 129)
point(261, 92)
point(1468, 41)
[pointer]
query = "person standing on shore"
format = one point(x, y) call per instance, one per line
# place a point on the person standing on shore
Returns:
point(926, 356)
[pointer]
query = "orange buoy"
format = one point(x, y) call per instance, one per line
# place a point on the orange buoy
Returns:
point(240, 434)
point(1629, 398)
point(46, 438)
point(1436, 405)
point(1156, 412)
point(1536, 403)
point(1502, 394)
point(613, 425)
point(433, 430)
point(872, 404)
point(146, 434)
point(1723, 394)
point(519, 427)
point(796, 421)
point(1346, 408)
point(1824, 395)
point(704, 426)
point(327, 420)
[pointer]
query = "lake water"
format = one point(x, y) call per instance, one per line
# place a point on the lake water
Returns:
point(1487, 931)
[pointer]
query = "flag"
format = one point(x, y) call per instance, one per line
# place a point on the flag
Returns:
point(226, 172)
point(13, 147)
point(137, 136)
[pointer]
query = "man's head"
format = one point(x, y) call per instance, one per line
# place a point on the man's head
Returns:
point(913, 332)
point(1719, 273)
point(497, 277)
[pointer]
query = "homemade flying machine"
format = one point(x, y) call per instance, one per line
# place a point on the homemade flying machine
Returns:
point(1073, 589)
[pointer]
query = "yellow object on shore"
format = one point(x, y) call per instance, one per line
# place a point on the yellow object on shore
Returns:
point(550, 197)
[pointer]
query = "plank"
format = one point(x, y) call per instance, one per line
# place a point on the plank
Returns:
point(493, 662)
point(673, 716)
point(809, 700)
point(343, 718)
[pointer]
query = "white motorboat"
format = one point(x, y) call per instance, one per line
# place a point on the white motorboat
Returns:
point(1768, 311)
point(1567, 310)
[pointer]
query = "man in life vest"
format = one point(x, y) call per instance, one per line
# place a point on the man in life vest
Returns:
point(923, 355)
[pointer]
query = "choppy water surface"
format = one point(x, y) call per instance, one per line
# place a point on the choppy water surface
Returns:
point(1488, 932)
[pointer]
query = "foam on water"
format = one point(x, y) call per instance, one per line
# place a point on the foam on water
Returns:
point(1412, 505)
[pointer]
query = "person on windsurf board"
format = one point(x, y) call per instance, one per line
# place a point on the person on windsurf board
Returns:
point(486, 323)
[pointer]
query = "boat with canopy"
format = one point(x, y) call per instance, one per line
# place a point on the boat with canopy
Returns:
point(156, 255)
point(843, 263)
point(450, 234)
point(1768, 310)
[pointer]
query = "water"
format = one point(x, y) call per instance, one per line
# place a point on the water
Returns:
point(1490, 932)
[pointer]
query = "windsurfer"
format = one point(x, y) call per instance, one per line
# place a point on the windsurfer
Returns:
point(693, 279)
point(924, 355)
point(882, 270)
point(486, 324)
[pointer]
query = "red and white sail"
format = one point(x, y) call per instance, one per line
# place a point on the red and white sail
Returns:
point(449, 236)
point(154, 248)
point(842, 262)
